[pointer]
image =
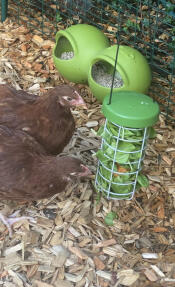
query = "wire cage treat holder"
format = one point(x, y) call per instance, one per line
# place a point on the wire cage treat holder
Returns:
point(129, 119)
point(117, 175)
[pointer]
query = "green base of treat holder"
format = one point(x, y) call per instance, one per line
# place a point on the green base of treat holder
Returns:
point(132, 72)
point(124, 136)
point(78, 44)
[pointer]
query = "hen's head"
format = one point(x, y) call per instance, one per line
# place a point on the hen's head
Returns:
point(72, 167)
point(69, 96)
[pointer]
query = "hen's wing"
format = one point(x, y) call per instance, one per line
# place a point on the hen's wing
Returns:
point(18, 155)
point(26, 172)
point(56, 124)
point(11, 101)
point(9, 93)
point(12, 141)
point(17, 150)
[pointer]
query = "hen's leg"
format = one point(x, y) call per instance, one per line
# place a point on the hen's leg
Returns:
point(9, 221)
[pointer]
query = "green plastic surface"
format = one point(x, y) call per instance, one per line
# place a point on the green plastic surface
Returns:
point(132, 66)
point(86, 41)
point(131, 109)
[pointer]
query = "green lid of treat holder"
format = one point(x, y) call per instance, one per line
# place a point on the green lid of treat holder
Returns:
point(131, 109)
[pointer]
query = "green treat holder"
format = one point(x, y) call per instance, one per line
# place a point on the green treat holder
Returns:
point(85, 41)
point(132, 66)
point(129, 119)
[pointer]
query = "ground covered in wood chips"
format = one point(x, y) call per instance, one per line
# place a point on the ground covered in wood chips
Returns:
point(70, 244)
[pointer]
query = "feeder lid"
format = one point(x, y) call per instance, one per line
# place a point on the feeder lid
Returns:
point(131, 109)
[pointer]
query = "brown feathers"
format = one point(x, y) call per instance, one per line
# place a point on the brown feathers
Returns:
point(32, 130)
point(28, 173)
point(48, 118)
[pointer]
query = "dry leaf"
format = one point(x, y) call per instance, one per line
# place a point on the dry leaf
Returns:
point(78, 252)
point(158, 271)
point(150, 275)
point(161, 212)
point(159, 229)
point(106, 243)
point(127, 277)
point(62, 283)
point(42, 284)
point(98, 263)
point(37, 40)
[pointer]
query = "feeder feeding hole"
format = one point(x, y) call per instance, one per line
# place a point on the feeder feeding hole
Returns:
point(102, 73)
point(64, 49)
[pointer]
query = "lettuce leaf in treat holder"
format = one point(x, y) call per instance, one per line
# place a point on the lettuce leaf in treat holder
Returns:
point(125, 148)
point(122, 156)
point(100, 155)
point(102, 133)
point(134, 156)
point(118, 187)
point(127, 134)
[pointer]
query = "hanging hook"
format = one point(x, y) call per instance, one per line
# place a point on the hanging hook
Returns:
point(115, 64)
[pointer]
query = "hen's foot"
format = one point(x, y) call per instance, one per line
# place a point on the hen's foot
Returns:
point(9, 221)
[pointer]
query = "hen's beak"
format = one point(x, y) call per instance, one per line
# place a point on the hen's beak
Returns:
point(78, 101)
point(86, 171)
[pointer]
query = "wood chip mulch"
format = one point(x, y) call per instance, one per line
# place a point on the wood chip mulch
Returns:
point(70, 244)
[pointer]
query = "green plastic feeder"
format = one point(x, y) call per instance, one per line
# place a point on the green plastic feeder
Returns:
point(80, 44)
point(133, 71)
point(129, 119)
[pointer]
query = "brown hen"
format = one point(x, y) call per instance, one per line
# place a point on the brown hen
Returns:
point(28, 173)
point(48, 118)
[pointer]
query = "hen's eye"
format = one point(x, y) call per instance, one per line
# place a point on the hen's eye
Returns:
point(68, 99)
